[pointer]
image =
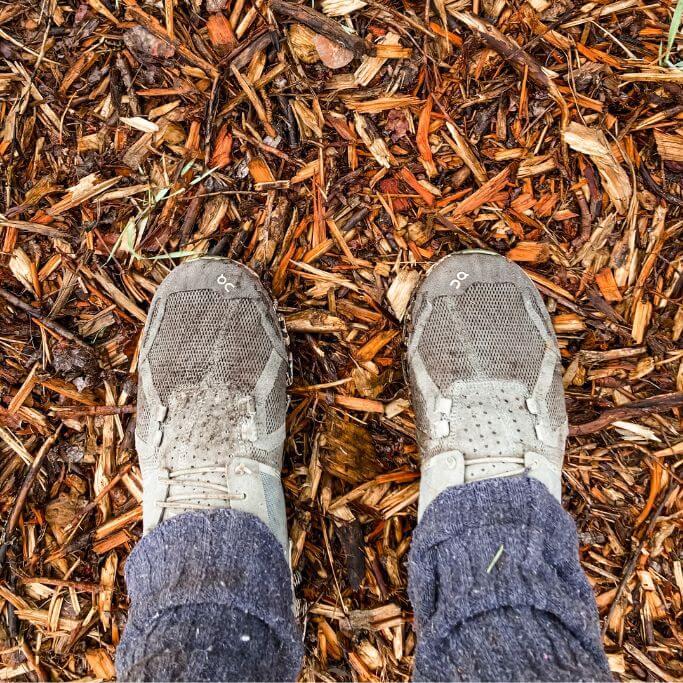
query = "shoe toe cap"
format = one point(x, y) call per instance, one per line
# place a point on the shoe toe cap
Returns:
point(457, 272)
point(224, 276)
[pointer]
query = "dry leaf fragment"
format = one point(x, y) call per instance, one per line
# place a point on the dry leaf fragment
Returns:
point(332, 54)
point(222, 150)
point(216, 5)
point(593, 143)
point(146, 46)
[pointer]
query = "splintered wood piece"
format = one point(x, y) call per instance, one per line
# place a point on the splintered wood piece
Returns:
point(302, 41)
point(415, 184)
point(314, 322)
point(373, 346)
point(608, 286)
point(641, 320)
point(340, 8)
point(423, 139)
point(381, 104)
point(338, 149)
point(220, 32)
point(594, 144)
point(467, 154)
point(87, 188)
point(100, 663)
point(373, 141)
point(401, 291)
point(568, 322)
point(670, 147)
point(254, 99)
point(529, 252)
point(370, 66)
point(486, 193)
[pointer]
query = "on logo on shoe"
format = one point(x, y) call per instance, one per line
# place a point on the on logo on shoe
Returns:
point(222, 280)
point(459, 278)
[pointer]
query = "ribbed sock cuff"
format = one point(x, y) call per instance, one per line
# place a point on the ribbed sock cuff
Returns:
point(224, 557)
point(499, 543)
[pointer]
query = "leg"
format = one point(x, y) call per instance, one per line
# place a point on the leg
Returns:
point(209, 583)
point(201, 611)
point(529, 615)
point(495, 580)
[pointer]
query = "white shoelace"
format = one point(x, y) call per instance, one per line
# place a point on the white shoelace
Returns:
point(208, 490)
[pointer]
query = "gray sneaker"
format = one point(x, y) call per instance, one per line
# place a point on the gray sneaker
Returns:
point(212, 396)
point(484, 370)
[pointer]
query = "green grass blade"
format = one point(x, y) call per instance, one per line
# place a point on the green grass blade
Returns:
point(673, 29)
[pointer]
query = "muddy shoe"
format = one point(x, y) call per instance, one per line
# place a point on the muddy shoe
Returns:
point(212, 396)
point(484, 369)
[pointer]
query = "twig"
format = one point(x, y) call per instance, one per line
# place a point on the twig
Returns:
point(93, 411)
point(24, 491)
point(513, 53)
point(648, 406)
point(635, 556)
point(321, 24)
point(44, 320)
point(656, 189)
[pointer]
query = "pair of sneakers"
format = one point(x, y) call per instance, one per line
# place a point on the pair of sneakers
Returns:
point(482, 361)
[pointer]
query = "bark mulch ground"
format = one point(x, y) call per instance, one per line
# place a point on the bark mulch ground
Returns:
point(338, 147)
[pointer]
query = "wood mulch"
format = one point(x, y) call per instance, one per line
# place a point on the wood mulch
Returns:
point(338, 147)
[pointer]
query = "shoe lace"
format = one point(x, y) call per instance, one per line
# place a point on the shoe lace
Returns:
point(210, 494)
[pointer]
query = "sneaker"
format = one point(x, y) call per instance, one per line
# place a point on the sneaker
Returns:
point(212, 396)
point(484, 369)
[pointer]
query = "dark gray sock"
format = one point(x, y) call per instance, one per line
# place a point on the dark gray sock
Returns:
point(529, 615)
point(210, 599)
point(210, 595)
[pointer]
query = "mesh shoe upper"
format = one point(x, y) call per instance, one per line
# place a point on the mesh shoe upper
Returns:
point(212, 395)
point(484, 370)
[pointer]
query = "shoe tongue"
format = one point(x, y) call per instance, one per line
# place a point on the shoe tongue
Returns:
point(206, 427)
point(489, 468)
point(490, 420)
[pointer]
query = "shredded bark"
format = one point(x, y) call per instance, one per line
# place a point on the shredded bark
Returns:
point(339, 148)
